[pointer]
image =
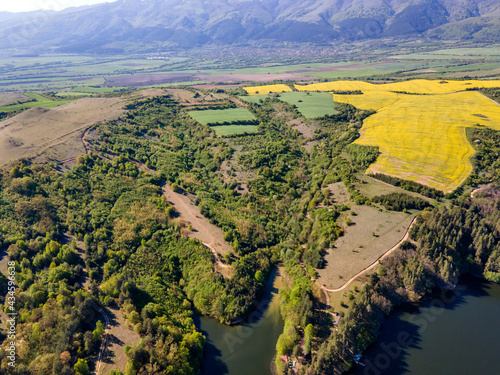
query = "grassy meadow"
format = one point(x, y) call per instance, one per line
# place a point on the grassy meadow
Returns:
point(39, 101)
point(309, 104)
point(222, 115)
point(224, 130)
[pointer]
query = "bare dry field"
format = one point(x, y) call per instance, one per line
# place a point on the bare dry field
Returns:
point(202, 229)
point(339, 192)
point(307, 130)
point(359, 248)
point(13, 98)
point(373, 187)
point(309, 145)
point(119, 335)
point(187, 97)
point(56, 133)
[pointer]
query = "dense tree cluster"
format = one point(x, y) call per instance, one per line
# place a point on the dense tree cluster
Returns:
point(400, 202)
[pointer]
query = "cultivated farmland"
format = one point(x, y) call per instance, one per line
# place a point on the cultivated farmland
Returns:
point(234, 129)
point(264, 90)
point(309, 104)
point(38, 101)
point(417, 86)
point(222, 115)
point(421, 137)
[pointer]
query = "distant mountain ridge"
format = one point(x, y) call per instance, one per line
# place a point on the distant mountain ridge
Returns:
point(157, 24)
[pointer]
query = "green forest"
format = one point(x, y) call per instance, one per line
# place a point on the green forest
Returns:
point(103, 235)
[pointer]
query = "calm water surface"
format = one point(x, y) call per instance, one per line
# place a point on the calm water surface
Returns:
point(452, 333)
point(247, 349)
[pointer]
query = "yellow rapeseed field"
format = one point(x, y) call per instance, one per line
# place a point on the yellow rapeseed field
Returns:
point(375, 100)
point(417, 86)
point(421, 137)
point(264, 90)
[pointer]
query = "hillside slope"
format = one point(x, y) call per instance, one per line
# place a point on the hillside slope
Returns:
point(151, 24)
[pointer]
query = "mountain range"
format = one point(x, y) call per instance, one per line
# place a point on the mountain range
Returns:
point(151, 25)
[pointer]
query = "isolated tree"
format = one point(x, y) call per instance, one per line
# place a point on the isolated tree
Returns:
point(81, 367)
point(259, 276)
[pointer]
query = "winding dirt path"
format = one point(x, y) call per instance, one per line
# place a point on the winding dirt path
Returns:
point(374, 264)
point(86, 144)
point(336, 317)
point(104, 343)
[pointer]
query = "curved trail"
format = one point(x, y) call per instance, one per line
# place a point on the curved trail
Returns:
point(216, 256)
point(86, 144)
point(374, 264)
point(103, 343)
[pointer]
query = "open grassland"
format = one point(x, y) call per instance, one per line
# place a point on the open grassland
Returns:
point(39, 101)
point(309, 104)
point(371, 187)
point(234, 129)
point(265, 90)
point(13, 98)
point(372, 233)
point(222, 115)
point(97, 89)
point(55, 133)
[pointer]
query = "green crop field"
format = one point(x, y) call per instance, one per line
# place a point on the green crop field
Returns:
point(234, 129)
point(40, 101)
point(310, 104)
point(222, 115)
point(97, 89)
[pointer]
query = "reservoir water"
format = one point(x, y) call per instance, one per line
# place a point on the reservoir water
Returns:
point(249, 348)
point(451, 333)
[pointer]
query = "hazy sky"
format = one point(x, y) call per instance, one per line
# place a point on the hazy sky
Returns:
point(28, 5)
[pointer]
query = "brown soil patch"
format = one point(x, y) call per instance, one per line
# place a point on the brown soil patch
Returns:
point(371, 187)
point(150, 93)
point(54, 133)
point(309, 145)
point(306, 130)
point(339, 192)
point(211, 235)
point(187, 97)
point(118, 335)
point(13, 98)
point(358, 248)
